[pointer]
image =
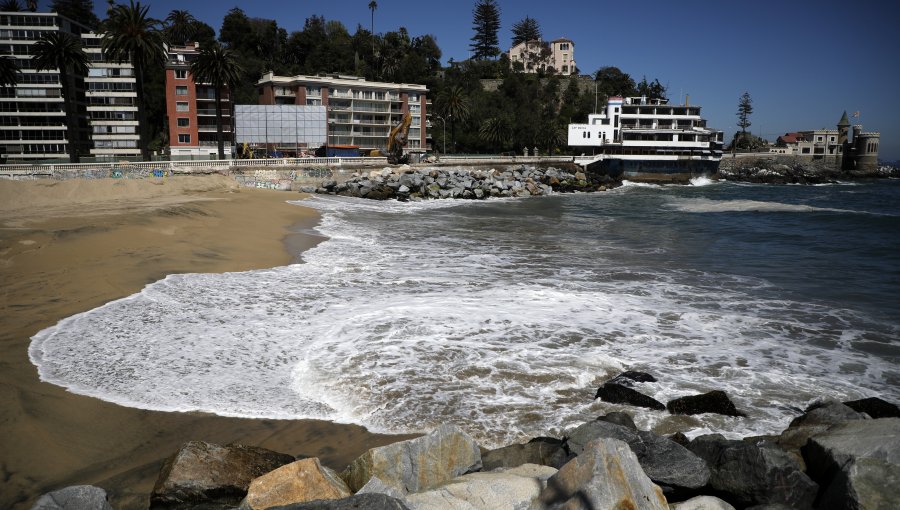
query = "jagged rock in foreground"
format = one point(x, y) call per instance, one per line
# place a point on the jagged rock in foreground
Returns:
point(299, 482)
point(355, 502)
point(666, 462)
point(511, 488)
point(417, 464)
point(606, 476)
point(76, 497)
point(747, 474)
point(857, 463)
point(205, 473)
point(874, 407)
point(617, 394)
point(544, 453)
point(712, 402)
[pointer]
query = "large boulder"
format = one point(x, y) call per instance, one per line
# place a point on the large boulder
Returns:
point(511, 488)
point(355, 502)
point(417, 464)
point(545, 453)
point(606, 476)
point(712, 402)
point(857, 463)
point(746, 474)
point(618, 394)
point(623, 419)
point(298, 482)
point(206, 473)
point(76, 497)
point(666, 462)
point(826, 413)
point(702, 503)
point(874, 407)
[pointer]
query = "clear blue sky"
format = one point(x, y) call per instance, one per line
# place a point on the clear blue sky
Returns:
point(803, 63)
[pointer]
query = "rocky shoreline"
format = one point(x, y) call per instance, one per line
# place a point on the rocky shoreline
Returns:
point(785, 170)
point(834, 455)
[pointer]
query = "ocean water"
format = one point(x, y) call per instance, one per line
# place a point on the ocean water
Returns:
point(504, 316)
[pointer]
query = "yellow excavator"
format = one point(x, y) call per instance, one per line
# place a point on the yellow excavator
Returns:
point(397, 140)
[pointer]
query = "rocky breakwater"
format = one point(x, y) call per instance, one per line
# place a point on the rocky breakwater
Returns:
point(792, 170)
point(834, 455)
point(408, 183)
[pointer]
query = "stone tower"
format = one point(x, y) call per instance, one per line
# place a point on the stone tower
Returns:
point(843, 141)
point(866, 145)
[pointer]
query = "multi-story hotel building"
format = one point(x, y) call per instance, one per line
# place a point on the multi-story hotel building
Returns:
point(33, 123)
point(360, 112)
point(535, 55)
point(191, 108)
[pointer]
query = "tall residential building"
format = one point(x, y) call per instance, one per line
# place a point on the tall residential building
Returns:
point(110, 89)
point(536, 55)
point(33, 114)
point(360, 112)
point(191, 109)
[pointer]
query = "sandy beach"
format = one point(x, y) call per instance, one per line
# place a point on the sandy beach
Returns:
point(70, 246)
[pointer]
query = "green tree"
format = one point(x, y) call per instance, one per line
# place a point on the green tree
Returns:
point(372, 6)
point(81, 11)
point(63, 52)
point(652, 90)
point(453, 106)
point(745, 108)
point(526, 30)
point(611, 81)
point(9, 72)
point(219, 67)
point(495, 132)
point(486, 24)
point(181, 27)
point(132, 36)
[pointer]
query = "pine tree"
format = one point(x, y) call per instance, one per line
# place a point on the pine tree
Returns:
point(526, 30)
point(486, 23)
point(745, 108)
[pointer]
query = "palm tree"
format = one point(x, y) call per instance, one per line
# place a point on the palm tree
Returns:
point(181, 26)
point(495, 131)
point(9, 72)
point(372, 6)
point(453, 104)
point(219, 67)
point(10, 6)
point(63, 52)
point(131, 35)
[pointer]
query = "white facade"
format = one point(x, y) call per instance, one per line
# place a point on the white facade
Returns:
point(539, 55)
point(290, 125)
point(110, 90)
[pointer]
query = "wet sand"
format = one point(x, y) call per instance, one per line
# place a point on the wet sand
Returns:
point(70, 246)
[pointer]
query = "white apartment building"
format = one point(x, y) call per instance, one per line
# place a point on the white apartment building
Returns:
point(110, 90)
point(360, 113)
point(536, 55)
point(33, 123)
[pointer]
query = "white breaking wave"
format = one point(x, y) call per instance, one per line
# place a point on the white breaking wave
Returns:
point(705, 205)
point(399, 329)
point(702, 181)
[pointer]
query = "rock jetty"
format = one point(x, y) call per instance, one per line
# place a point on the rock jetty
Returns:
point(831, 456)
point(793, 170)
point(408, 183)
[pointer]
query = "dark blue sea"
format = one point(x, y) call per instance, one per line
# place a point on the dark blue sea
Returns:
point(504, 316)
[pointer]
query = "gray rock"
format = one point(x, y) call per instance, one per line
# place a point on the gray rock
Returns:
point(712, 402)
point(538, 452)
point(623, 419)
point(376, 486)
point(702, 503)
point(76, 497)
point(857, 463)
point(417, 464)
point(606, 476)
point(874, 407)
point(516, 488)
point(663, 460)
point(748, 474)
point(206, 473)
point(826, 413)
point(618, 394)
point(355, 502)
point(403, 189)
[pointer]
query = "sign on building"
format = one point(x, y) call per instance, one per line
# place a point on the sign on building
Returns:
point(281, 125)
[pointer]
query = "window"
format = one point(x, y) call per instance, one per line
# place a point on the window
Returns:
point(181, 106)
point(181, 90)
point(313, 91)
point(184, 122)
point(181, 74)
point(183, 138)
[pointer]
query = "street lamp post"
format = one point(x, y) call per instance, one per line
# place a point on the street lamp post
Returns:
point(444, 131)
